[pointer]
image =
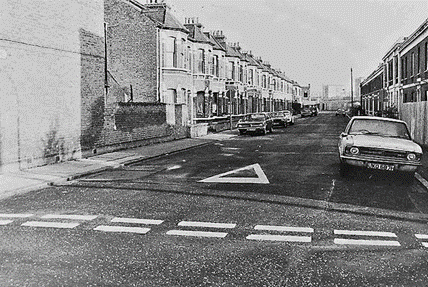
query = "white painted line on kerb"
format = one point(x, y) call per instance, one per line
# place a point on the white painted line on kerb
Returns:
point(16, 215)
point(50, 224)
point(69, 216)
point(284, 228)
point(366, 242)
point(107, 228)
point(5, 222)
point(287, 238)
point(365, 233)
point(197, 233)
point(421, 236)
point(207, 224)
point(136, 220)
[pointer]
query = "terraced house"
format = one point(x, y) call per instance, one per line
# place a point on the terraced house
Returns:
point(401, 83)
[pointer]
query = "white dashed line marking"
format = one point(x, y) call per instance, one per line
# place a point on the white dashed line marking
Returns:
point(50, 224)
point(284, 228)
point(421, 236)
point(136, 220)
point(366, 242)
point(207, 224)
point(69, 216)
point(107, 228)
point(287, 238)
point(365, 233)
point(197, 233)
point(5, 222)
point(16, 215)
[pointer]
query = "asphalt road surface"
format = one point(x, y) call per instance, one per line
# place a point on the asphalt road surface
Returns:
point(241, 211)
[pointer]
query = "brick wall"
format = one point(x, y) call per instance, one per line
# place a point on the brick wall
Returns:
point(132, 49)
point(40, 76)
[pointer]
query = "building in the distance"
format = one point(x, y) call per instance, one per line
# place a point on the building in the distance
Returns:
point(334, 97)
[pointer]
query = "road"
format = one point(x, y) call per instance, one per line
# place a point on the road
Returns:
point(247, 210)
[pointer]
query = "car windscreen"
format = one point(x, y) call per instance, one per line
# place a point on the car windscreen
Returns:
point(277, 115)
point(254, 118)
point(379, 127)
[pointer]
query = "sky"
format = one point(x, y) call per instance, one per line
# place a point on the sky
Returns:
point(313, 42)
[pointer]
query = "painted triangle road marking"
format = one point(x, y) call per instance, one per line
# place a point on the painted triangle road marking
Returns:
point(228, 177)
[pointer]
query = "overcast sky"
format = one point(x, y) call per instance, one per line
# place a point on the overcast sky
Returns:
point(314, 42)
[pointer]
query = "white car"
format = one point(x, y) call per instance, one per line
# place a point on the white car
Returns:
point(380, 144)
point(289, 116)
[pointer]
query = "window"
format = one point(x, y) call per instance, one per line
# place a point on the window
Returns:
point(412, 65)
point(426, 55)
point(216, 66)
point(424, 96)
point(201, 61)
point(419, 61)
point(169, 52)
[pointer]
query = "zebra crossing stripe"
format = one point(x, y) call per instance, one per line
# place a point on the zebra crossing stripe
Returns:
point(366, 242)
point(365, 233)
point(288, 238)
point(107, 228)
point(69, 216)
point(136, 220)
point(16, 215)
point(49, 224)
point(5, 222)
point(206, 224)
point(284, 228)
point(197, 233)
point(421, 236)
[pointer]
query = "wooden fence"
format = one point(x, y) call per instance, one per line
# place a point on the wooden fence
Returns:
point(415, 115)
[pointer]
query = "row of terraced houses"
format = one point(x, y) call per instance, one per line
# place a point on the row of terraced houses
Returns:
point(399, 85)
point(90, 76)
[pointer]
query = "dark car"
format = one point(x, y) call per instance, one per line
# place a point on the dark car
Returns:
point(306, 113)
point(340, 112)
point(314, 111)
point(279, 119)
point(255, 123)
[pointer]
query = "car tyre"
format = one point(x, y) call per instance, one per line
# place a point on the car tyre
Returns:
point(241, 132)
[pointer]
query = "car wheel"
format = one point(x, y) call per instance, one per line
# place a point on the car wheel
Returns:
point(344, 169)
point(241, 132)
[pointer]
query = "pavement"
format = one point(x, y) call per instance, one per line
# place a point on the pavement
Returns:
point(24, 181)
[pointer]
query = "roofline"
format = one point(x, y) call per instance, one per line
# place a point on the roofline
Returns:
point(369, 77)
point(414, 35)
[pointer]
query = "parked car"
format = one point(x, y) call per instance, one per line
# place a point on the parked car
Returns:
point(379, 144)
point(289, 117)
point(279, 119)
point(306, 113)
point(314, 111)
point(340, 112)
point(256, 123)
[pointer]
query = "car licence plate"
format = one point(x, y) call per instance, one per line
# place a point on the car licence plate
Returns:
point(380, 166)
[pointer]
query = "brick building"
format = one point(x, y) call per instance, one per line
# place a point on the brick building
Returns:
point(43, 49)
point(372, 92)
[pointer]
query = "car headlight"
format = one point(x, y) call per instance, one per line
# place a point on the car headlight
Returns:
point(354, 150)
point(257, 125)
point(411, 156)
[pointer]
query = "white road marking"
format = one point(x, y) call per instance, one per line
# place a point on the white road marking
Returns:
point(136, 220)
point(207, 224)
point(16, 215)
point(107, 228)
point(421, 236)
point(421, 180)
point(197, 233)
point(425, 244)
point(287, 238)
point(284, 228)
point(5, 222)
point(261, 177)
point(173, 167)
point(49, 224)
point(365, 233)
point(69, 216)
point(366, 242)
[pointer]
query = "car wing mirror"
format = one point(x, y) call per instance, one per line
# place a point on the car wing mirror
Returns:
point(343, 135)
